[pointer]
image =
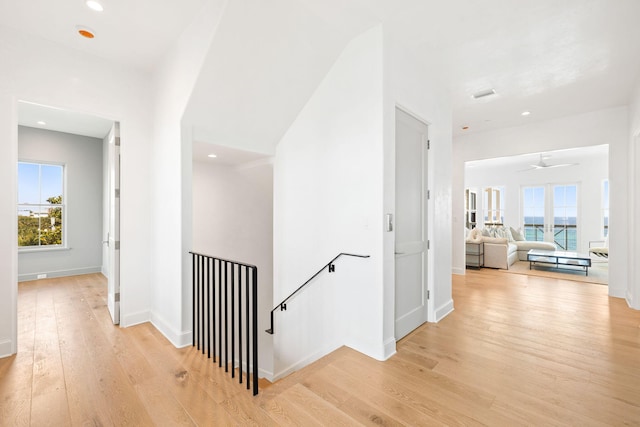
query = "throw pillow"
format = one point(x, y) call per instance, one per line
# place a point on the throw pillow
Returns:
point(504, 232)
point(517, 235)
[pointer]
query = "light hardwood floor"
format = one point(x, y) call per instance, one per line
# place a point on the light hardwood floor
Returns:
point(517, 350)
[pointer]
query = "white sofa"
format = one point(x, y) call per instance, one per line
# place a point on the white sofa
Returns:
point(503, 245)
point(499, 252)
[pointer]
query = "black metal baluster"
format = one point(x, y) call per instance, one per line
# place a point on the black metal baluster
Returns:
point(247, 313)
point(193, 296)
point(220, 313)
point(208, 289)
point(213, 307)
point(233, 331)
point(226, 317)
point(240, 268)
point(202, 296)
point(254, 297)
point(198, 302)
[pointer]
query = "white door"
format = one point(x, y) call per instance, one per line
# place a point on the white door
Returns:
point(411, 224)
point(113, 239)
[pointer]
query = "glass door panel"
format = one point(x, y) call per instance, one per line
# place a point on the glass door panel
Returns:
point(533, 204)
point(551, 214)
point(565, 216)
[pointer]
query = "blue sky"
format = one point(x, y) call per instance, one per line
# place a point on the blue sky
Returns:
point(29, 177)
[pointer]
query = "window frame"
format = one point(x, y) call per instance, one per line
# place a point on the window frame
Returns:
point(42, 206)
point(493, 204)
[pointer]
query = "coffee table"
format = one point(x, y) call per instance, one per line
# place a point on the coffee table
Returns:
point(560, 259)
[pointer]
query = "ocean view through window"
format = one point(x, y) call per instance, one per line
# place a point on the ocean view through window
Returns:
point(551, 214)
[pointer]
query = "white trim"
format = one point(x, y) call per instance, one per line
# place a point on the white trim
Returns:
point(178, 339)
point(629, 299)
point(135, 318)
point(59, 273)
point(389, 348)
point(44, 248)
point(6, 347)
point(304, 362)
point(459, 271)
point(444, 310)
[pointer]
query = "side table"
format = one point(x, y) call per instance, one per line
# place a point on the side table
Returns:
point(474, 254)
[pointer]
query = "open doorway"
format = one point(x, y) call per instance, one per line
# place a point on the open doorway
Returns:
point(64, 211)
point(232, 218)
point(556, 199)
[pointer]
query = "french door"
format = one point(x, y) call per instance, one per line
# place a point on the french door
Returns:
point(550, 214)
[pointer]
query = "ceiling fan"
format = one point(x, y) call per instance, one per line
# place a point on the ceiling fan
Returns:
point(544, 165)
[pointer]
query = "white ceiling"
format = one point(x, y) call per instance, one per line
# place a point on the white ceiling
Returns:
point(134, 33)
point(524, 161)
point(548, 57)
point(224, 155)
point(56, 119)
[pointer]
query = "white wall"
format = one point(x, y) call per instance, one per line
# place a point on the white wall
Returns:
point(43, 72)
point(233, 219)
point(327, 200)
point(170, 202)
point(419, 89)
point(596, 128)
point(82, 159)
point(633, 194)
point(588, 174)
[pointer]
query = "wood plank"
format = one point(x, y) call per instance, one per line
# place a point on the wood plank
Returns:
point(516, 351)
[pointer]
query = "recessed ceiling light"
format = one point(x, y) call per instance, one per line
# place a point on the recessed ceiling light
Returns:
point(526, 113)
point(213, 156)
point(94, 5)
point(41, 123)
point(85, 32)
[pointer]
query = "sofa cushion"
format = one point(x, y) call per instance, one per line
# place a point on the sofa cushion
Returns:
point(526, 245)
point(500, 240)
point(517, 235)
point(499, 231)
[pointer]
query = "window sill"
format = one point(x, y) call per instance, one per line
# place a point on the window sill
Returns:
point(41, 249)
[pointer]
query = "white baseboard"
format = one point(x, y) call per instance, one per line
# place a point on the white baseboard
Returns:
point(6, 348)
point(389, 348)
point(630, 301)
point(59, 273)
point(178, 339)
point(303, 362)
point(458, 271)
point(135, 318)
point(444, 310)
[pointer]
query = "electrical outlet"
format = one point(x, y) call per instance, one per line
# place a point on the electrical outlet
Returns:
point(42, 276)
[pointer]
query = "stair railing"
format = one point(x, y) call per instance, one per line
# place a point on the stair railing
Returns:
point(218, 280)
point(330, 266)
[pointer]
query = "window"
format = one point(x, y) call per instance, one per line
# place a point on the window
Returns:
point(533, 209)
point(494, 205)
point(565, 216)
point(551, 214)
point(605, 208)
point(40, 205)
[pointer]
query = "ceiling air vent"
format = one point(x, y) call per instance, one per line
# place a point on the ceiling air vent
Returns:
point(484, 93)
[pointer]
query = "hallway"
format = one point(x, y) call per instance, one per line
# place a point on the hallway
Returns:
point(517, 350)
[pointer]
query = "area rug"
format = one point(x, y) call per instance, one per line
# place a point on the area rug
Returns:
point(598, 272)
